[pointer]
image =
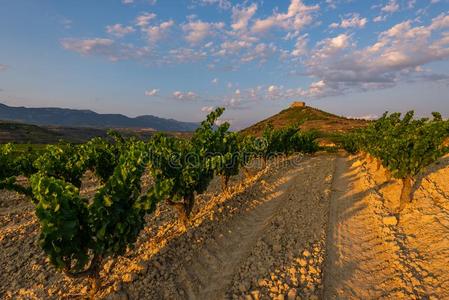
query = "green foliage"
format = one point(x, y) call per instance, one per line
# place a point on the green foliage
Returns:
point(304, 142)
point(77, 233)
point(288, 140)
point(405, 146)
point(190, 164)
point(350, 142)
point(63, 215)
point(13, 164)
point(101, 156)
point(7, 166)
point(63, 161)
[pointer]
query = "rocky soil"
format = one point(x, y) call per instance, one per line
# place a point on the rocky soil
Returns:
point(376, 253)
point(319, 227)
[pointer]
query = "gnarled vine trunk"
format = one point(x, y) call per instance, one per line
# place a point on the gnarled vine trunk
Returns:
point(92, 273)
point(378, 164)
point(406, 192)
point(184, 208)
point(264, 165)
point(224, 183)
point(246, 172)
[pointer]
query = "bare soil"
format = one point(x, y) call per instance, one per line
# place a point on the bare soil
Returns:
point(314, 227)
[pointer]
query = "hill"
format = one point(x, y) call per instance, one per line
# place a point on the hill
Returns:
point(87, 118)
point(309, 118)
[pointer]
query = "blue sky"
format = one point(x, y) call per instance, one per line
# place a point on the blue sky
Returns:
point(181, 58)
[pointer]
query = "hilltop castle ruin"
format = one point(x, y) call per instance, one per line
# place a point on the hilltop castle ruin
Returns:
point(298, 104)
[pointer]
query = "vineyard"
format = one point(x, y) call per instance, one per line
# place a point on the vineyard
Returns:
point(226, 215)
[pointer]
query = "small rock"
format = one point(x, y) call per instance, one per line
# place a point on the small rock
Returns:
point(130, 277)
point(118, 296)
point(255, 294)
point(292, 294)
point(107, 266)
point(277, 248)
point(357, 163)
point(143, 266)
point(261, 282)
point(302, 262)
point(390, 220)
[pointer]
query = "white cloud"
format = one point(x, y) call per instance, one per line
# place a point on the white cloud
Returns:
point(242, 15)
point(261, 52)
point(398, 55)
point(152, 92)
point(157, 32)
point(234, 102)
point(220, 121)
point(223, 4)
point(184, 55)
point(127, 1)
point(207, 109)
point(198, 30)
point(144, 19)
point(440, 22)
point(178, 95)
point(411, 4)
point(215, 81)
point(232, 47)
point(104, 47)
point(391, 7)
point(67, 23)
point(365, 117)
point(379, 19)
point(297, 16)
point(119, 30)
point(354, 21)
point(331, 4)
point(300, 46)
point(87, 46)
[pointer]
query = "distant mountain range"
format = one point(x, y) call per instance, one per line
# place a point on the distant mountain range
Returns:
point(87, 118)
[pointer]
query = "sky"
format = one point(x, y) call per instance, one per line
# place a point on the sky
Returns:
point(182, 58)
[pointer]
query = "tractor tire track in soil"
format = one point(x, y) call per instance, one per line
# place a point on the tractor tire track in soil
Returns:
point(225, 265)
point(372, 256)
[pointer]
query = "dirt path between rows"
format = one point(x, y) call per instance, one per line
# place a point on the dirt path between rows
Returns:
point(358, 264)
point(210, 273)
point(255, 251)
point(369, 254)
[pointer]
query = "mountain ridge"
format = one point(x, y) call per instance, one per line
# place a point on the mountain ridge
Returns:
point(56, 116)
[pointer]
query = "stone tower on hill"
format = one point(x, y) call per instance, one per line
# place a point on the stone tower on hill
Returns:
point(298, 104)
